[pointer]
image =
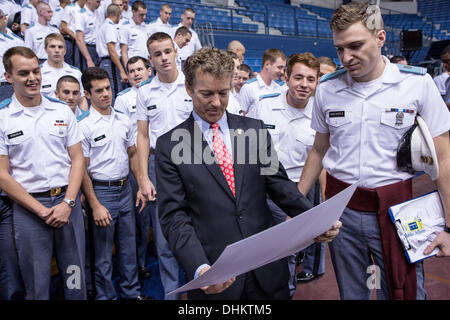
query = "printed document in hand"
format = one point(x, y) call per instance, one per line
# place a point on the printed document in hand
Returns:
point(418, 222)
point(274, 243)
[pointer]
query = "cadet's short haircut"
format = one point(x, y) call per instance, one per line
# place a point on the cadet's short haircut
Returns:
point(327, 61)
point(189, 10)
point(90, 74)
point(165, 5)
point(183, 31)
point(354, 12)
point(246, 68)
point(272, 55)
point(113, 10)
point(216, 62)
point(54, 36)
point(307, 58)
point(63, 79)
point(158, 36)
point(20, 51)
point(138, 4)
point(135, 59)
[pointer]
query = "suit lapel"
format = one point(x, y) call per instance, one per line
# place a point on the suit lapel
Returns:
point(205, 152)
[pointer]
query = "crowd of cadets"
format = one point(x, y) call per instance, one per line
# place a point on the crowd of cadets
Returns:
point(96, 51)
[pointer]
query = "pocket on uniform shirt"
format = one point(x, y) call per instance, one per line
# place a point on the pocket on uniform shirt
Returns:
point(390, 119)
point(17, 137)
point(338, 118)
point(58, 131)
point(100, 140)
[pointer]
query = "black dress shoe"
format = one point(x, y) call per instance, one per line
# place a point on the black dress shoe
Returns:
point(144, 272)
point(304, 277)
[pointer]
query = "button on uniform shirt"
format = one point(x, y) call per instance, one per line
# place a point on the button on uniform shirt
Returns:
point(106, 140)
point(362, 122)
point(68, 15)
point(191, 47)
point(290, 129)
point(28, 15)
point(440, 82)
point(50, 77)
point(35, 38)
point(159, 26)
point(126, 103)
point(36, 141)
point(135, 37)
point(9, 7)
point(89, 23)
point(253, 89)
point(163, 105)
point(110, 32)
point(7, 40)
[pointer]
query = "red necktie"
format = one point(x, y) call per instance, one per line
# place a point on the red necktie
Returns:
point(223, 157)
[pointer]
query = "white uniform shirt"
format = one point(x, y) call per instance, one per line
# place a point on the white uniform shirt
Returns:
point(58, 12)
point(35, 38)
point(191, 47)
point(290, 129)
point(159, 26)
point(89, 23)
point(135, 37)
point(440, 82)
point(234, 106)
point(178, 58)
point(253, 89)
point(9, 7)
point(110, 33)
point(126, 15)
point(126, 103)
point(36, 141)
point(28, 15)
point(105, 142)
point(364, 132)
point(163, 106)
point(7, 40)
point(69, 13)
point(50, 77)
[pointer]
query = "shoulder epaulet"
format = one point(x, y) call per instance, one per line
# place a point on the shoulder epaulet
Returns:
point(30, 25)
point(5, 103)
point(281, 83)
point(270, 95)
point(57, 9)
point(40, 66)
point(73, 67)
point(15, 35)
point(27, 6)
point(332, 75)
point(110, 22)
point(251, 80)
point(412, 69)
point(126, 22)
point(82, 10)
point(144, 83)
point(118, 111)
point(71, 4)
point(6, 35)
point(124, 91)
point(55, 100)
point(83, 115)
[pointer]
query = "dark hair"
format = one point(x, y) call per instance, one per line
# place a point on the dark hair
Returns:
point(92, 73)
point(307, 58)
point(138, 4)
point(158, 36)
point(66, 79)
point(135, 59)
point(246, 68)
point(20, 51)
point(183, 31)
point(397, 59)
point(327, 61)
point(446, 50)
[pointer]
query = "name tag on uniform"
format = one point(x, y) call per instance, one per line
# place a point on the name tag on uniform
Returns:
point(99, 138)
point(337, 114)
point(91, 23)
point(151, 107)
point(46, 86)
point(39, 38)
point(134, 35)
point(269, 126)
point(15, 134)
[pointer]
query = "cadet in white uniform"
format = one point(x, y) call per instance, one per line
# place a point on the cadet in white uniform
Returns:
point(161, 105)
point(110, 151)
point(87, 23)
point(181, 39)
point(41, 168)
point(360, 114)
point(139, 72)
point(162, 23)
point(442, 78)
point(9, 7)
point(68, 90)
point(35, 35)
point(134, 34)
point(68, 29)
point(273, 64)
point(108, 49)
point(28, 15)
point(8, 39)
point(187, 19)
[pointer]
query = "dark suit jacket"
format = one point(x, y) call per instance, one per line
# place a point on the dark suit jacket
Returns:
point(198, 212)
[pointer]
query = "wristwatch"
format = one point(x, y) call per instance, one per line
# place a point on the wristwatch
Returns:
point(70, 202)
point(446, 229)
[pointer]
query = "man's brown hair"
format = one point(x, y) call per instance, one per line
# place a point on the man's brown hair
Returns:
point(158, 37)
point(348, 14)
point(272, 55)
point(307, 58)
point(20, 51)
point(54, 36)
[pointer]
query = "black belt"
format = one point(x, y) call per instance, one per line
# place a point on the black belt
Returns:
point(90, 45)
point(50, 193)
point(112, 183)
point(6, 83)
point(68, 38)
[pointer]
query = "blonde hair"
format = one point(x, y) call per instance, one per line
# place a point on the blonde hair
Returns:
point(54, 36)
point(348, 14)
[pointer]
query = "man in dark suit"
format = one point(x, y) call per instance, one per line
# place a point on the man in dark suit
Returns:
point(213, 173)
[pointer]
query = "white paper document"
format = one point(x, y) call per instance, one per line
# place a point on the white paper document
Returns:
point(418, 222)
point(274, 243)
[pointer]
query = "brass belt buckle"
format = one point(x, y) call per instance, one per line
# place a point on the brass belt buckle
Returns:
point(122, 181)
point(55, 192)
